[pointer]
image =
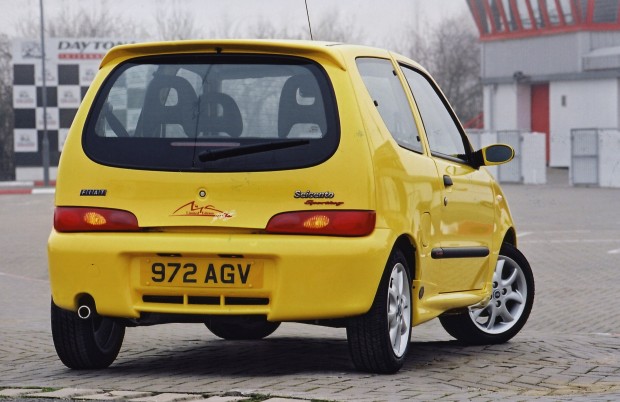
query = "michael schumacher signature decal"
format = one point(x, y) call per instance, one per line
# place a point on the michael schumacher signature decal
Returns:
point(193, 209)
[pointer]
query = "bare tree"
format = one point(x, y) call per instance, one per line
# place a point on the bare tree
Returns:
point(264, 29)
point(335, 28)
point(451, 53)
point(82, 22)
point(174, 23)
point(330, 27)
point(7, 168)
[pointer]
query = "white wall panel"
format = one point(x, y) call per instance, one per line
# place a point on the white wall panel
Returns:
point(609, 158)
point(579, 104)
point(544, 55)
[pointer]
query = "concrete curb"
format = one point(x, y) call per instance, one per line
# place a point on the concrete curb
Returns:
point(26, 183)
point(26, 187)
point(132, 396)
point(17, 191)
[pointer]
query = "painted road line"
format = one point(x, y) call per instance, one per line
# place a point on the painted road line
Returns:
point(4, 184)
point(569, 241)
point(44, 190)
point(24, 278)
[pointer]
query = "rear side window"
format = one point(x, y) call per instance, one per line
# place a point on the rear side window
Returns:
point(213, 113)
point(389, 96)
point(444, 137)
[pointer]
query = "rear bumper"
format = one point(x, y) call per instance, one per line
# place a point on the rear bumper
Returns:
point(304, 277)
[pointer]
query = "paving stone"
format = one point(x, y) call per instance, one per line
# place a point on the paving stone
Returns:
point(66, 393)
point(114, 395)
point(281, 400)
point(165, 397)
point(12, 392)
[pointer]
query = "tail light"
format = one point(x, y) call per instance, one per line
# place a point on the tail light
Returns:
point(85, 219)
point(329, 223)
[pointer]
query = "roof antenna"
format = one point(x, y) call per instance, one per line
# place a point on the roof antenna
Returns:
point(308, 15)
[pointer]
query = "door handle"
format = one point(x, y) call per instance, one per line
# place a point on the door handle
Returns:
point(447, 180)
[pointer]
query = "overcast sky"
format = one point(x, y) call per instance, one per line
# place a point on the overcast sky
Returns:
point(375, 19)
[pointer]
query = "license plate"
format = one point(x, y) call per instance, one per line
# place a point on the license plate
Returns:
point(230, 273)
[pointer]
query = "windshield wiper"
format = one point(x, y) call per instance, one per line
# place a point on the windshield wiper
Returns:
point(216, 154)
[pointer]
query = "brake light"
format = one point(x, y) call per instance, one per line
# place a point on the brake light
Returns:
point(330, 223)
point(85, 219)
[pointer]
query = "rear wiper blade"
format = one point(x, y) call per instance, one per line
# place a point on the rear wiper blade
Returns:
point(216, 154)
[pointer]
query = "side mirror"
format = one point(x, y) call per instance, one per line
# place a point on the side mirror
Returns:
point(493, 155)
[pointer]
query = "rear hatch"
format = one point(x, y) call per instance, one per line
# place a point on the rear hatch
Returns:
point(212, 140)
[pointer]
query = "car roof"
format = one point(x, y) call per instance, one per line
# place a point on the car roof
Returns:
point(334, 52)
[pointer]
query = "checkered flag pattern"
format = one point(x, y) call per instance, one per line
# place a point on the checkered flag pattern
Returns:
point(66, 85)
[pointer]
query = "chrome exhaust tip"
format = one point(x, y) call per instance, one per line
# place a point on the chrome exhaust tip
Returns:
point(84, 312)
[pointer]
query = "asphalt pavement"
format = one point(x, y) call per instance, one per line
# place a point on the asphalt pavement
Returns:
point(568, 350)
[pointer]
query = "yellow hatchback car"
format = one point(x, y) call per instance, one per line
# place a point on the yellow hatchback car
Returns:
point(242, 184)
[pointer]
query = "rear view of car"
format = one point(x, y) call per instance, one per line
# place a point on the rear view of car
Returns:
point(242, 184)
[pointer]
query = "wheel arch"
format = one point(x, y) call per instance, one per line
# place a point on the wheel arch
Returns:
point(373, 346)
point(407, 246)
point(510, 237)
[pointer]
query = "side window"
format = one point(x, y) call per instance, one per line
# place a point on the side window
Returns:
point(389, 96)
point(444, 136)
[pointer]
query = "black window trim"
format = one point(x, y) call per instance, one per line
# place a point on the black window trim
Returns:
point(466, 143)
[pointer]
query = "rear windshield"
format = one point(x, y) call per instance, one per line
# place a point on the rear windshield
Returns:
point(213, 113)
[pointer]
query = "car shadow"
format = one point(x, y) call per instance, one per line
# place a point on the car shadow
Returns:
point(269, 357)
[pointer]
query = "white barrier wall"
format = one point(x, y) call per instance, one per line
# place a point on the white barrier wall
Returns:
point(609, 158)
point(533, 164)
point(587, 103)
point(595, 155)
point(528, 166)
point(582, 102)
point(487, 139)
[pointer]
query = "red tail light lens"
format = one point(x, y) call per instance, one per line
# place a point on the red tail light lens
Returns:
point(329, 223)
point(84, 219)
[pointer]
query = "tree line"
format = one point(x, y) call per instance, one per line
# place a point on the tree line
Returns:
point(449, 50)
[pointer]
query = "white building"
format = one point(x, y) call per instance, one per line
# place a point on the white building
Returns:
point(550, 66)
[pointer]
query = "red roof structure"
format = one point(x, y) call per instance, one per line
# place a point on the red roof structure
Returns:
point(513, 19)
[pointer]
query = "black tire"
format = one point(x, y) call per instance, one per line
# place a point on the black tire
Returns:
point(236, 328)
point(514, 299)
point(80, 344)
point(371, 346)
